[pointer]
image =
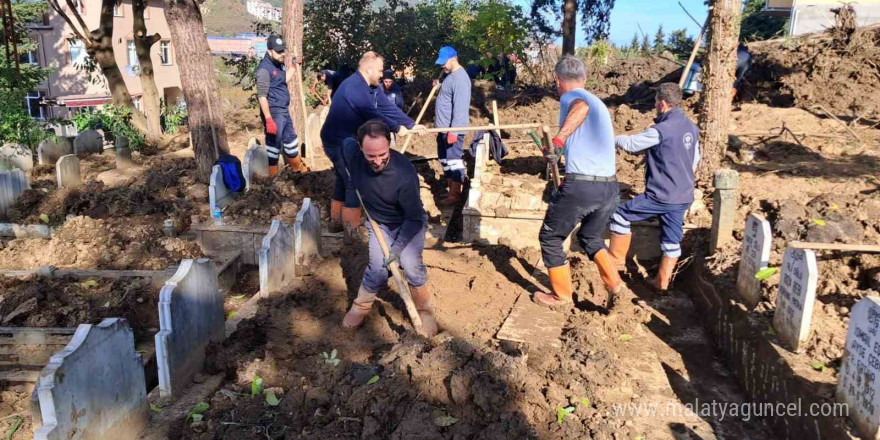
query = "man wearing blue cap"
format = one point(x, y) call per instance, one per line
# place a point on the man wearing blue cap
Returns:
point(274, 100)
point(452, 110)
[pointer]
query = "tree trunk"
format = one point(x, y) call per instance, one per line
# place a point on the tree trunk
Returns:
point(199, 84)
point(143, 44)
point(718, 76)
point(292, 34)
point(569, 26)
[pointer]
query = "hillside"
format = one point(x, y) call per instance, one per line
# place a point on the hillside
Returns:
point(228, 17)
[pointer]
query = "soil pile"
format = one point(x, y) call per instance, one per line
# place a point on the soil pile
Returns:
point(280, 197)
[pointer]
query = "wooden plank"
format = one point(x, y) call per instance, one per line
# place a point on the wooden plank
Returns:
point(835, 246)
point(533, 324)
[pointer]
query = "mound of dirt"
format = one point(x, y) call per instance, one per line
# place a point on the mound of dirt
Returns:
point(280, 197)
point(113, 243)
point(68, 302)
point(840, 73)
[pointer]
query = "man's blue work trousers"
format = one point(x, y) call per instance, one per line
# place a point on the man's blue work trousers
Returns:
point(643, 208)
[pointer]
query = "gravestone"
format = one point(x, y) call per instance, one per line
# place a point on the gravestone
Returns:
point(277, 258)
point(755, 256)
point(18, 155)
point(218, 194)
point(123, 153)
point(256, 163)
point(67, 171)
point(50, 150)
point(88, 142)
point(857, 384)
point(190, 317)
point(797, 294)
point(307, 233)
point(724, 202)
point(95, 387)
point(63, 130)
point(12, 184)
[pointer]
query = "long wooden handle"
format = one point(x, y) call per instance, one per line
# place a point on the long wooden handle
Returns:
point(483, 128)
point(402, 286)
point(554, 166)
point(308, 147)
point(496, 121)
point(697, 44)
point(419, 117)
point(835, 246)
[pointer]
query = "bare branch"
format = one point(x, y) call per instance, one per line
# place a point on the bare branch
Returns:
point(84, 28)
point(60, 11)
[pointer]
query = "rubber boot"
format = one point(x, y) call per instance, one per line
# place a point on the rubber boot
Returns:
point(335, 217)
point(351, 224)
point(359, 308)
point(296, 164)
point(273, 170)
point(454, 195)
point(422, 299)
point(610, 277)
point(618, 249)
point(560, 280)
point(664, 273)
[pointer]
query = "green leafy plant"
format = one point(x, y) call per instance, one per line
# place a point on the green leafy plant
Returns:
point(197, 413)
point(818, 221)
point(173, 117)
point(765, 273)
point(818, 366)
point(625, 337)
point(44, 218)
point(331, 358)
point(585, 402)
point(257, 385)
point(155, 408)
point(271, 399)
point(373, 380)
point(562, 413)
point(115, 119)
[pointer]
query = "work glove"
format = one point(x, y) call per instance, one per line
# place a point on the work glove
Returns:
point(391, 258)
point(403, 131)
point(418, 129)
point(558, 143)
point(271, 128)
point(451, 138)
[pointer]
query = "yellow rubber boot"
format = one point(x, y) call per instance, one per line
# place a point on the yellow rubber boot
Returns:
point(618, 249)
point(560, 280)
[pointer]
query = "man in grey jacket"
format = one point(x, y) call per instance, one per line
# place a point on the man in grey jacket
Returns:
point(452, 110)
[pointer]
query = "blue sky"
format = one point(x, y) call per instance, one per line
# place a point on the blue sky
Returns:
point(627, 15)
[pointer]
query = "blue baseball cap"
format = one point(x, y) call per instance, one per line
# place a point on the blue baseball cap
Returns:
point(446, 52)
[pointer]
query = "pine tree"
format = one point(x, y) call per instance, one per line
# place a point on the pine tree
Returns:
point(659, 40)
point(646, 44)
point(634, 45)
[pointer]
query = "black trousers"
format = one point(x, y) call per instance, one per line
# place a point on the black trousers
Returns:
point(587, 205)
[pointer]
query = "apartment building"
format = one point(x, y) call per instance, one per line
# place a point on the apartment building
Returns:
point(809, 16)
point(70, 88)
point(263, 10)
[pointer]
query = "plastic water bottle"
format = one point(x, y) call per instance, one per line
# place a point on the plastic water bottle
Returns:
point(218, 217)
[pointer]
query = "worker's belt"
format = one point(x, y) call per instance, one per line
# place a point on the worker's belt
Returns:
point(585, 178)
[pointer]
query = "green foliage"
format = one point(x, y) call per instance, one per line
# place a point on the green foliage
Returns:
point(646, 44)
point(173, 117)
point(680, 44)
point(115, 119)
point(595, 17)
point(758, 25)
point(765, 273)
point(197, 413)
point(634, 44)
point(330, 358)
point(562, 413)
point(257, 385)
point(271, 399)
point(490, 29)
point(659, 40)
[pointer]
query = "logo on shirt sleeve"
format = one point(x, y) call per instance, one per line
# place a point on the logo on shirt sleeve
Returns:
point(688, 141)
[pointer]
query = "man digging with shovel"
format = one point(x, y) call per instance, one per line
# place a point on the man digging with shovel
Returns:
point(389, 190)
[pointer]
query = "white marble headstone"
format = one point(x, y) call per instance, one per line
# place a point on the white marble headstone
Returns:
point(755, 256)
point(797, 294)
point(857, 382)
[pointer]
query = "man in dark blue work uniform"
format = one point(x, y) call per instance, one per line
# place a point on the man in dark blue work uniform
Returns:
point(590, 193)
point(392, 90)
point(389, 187)
point(331, 80)
point(673, 153)
point(274, 100)
point(358, 99)
point(743, 62)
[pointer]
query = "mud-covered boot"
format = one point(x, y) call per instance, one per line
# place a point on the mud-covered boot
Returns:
point(560, 280)
point(359, 308)
point(618, 249)
point(422, 299)
point(664, 273)
point(296, 164)
point(454, 195)
point(273, 170)
point(608, 272)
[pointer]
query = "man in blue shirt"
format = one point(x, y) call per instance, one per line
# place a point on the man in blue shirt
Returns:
point(358, 99)
point(590, 192)
point(673, 152)
point(452, 109)
point(274, 100)
point(389, 188)
point(392, 90)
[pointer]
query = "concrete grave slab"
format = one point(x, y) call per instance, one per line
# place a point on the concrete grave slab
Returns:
point(88, 141)
point(255, 163)
point(94, 388)
point(64, 130)
point(12, 184)
point(18, 155)
point(67, 171)
point(190, 316)
point(50, 150)
point(755, 256)
point(123, 153)
point(530, 323)
point(218, 194)
point(307, 233)
point(797, 294)
point(277, 258)
point(857, 383)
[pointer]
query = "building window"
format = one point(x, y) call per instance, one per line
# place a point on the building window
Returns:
point(78, 54)
point(80, 6)
point(132, 54)
point(137, 102)
point(29, 57)
point(165, 52)
point(117, 10)
point(32, 101)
